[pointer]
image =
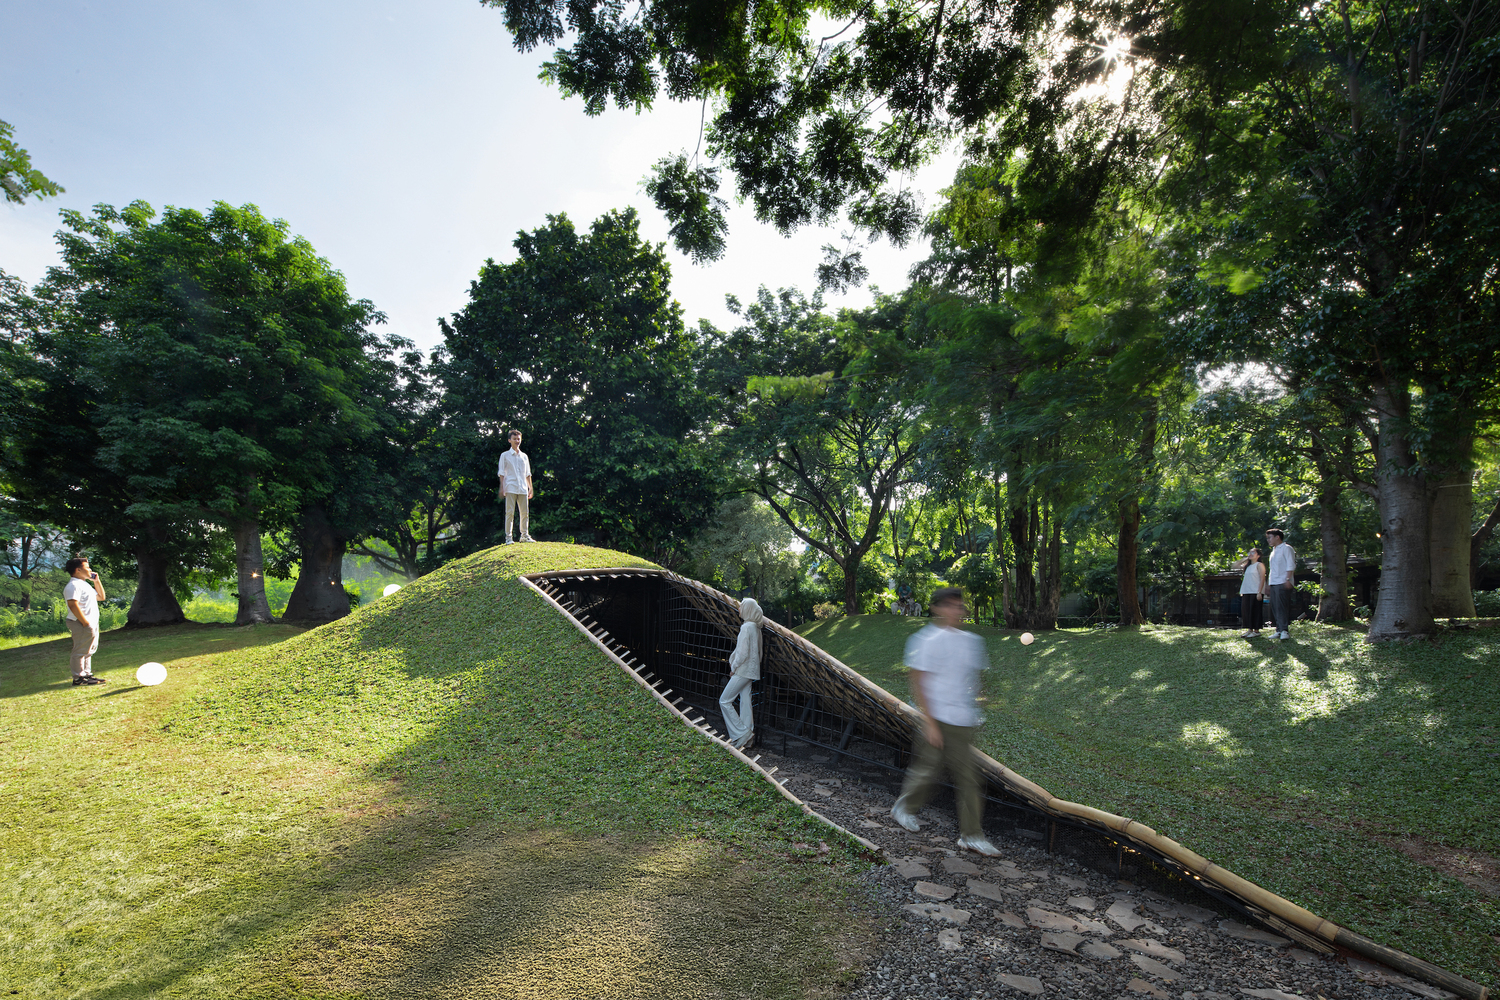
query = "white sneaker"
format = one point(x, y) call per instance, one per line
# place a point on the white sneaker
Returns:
point(907, 821)
point(979, 845)
point(527, 538)
point(1247, 634)
point(509, 541)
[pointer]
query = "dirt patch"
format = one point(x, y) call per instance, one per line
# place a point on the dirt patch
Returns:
point(1479, 872)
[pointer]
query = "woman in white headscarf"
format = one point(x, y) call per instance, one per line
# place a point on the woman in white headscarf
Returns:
point(744, 669)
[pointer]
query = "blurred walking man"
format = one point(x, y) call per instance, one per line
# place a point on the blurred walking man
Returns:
point(1280, 580)
point(83, 594)
point(945, 663)
point(515, 483)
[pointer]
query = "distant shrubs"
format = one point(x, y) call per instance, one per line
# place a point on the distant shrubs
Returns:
point(828, 610)
point(1487, 603)
point(16, 624)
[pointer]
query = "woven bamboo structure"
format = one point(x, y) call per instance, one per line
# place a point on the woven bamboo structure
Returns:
point(676, 635)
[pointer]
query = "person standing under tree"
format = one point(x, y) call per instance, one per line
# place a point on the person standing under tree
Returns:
point(1280, 580)
point(515, 486)
point(83, 594)
point(945, 664)
point(1252, 616)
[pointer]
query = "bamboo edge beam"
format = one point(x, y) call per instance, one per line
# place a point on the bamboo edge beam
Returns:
point(682, 717)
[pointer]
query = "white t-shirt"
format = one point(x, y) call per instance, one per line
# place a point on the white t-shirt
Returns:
point(1283, 564)
point(951, 660)
point(514, 468)
point(1251, 583)
point(82, 591)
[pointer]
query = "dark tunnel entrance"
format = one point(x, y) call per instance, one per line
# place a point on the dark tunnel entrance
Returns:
point(683, 637)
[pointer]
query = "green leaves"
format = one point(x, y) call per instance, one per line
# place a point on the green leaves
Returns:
point(18, 178)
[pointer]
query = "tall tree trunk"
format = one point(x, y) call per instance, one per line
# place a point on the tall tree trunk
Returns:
point(1023, 545)
point(1050, 596)
point(851, 583)
point(25, 576)
point(1448, 543)
point(250, 574)
point(1126, 551)
point(319, 594)
point(1333, 604)
point(155, 603)
point(1404, 607)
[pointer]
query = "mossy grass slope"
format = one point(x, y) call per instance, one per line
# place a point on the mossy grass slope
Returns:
point(448, 793)
point(1318, 768)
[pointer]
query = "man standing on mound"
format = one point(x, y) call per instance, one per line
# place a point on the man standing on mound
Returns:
point(945, 663)
point(83, 594)
point(515, 484)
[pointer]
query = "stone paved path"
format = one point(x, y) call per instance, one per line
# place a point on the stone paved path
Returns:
point(1032, 924)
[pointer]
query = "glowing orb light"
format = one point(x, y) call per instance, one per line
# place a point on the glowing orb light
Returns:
point(1027, 638)
point(390, 589)
point(151, 674)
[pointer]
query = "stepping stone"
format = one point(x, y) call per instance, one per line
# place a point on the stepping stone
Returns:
point(958, 866)
point(1026, 984)
point(934, 891)
point(939, 911)
point(1007, 871)
point(1271, 994)
point(988, 890)
point(870, 824)
point(1048, 921)
point(1081, 902)
point(1093, 949)
point(1072, 883)
point(1152, 967)
point(1009, 919)
point(1041, 873)
point(1197, 914)
point(1302, 957)
point(1063, 941)
point(912, 869)
point(1141, 986)
point(950, 940)
point(1236, 929)
point(820, 790)
point(1155, 949)
point(1123, 913)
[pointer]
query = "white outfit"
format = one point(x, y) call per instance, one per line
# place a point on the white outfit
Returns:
point(1251, 583)
point(515, 468)
point(1282, 564)
point(952, 660)
point(82, 591)
point(744, 666)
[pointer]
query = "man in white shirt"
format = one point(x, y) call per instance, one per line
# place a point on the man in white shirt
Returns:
point(1281, 568)
point(83, 593)
point(515, 484)
point(945, 664)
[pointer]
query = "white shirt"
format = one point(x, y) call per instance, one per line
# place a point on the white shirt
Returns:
point(1283, 564)
point(514, 468)
point(745, 660)
point(82, 591)
point(1251, 583)
point(950, 660)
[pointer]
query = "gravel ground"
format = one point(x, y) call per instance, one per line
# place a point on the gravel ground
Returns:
point(1028, 923)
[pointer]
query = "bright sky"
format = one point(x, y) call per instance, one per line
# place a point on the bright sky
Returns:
point(408, 141)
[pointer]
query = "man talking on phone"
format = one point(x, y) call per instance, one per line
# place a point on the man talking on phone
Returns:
point(83, 594)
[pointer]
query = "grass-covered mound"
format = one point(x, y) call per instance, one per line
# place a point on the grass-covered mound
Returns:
point(1360, 782)
point(450, 793)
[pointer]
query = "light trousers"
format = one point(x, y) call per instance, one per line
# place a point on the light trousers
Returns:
point(85, 642)
point(738, 724)
point(927, 765)
point(514, 502)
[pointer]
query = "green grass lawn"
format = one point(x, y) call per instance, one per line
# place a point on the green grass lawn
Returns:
point(450, 793)
point(1317, 768)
